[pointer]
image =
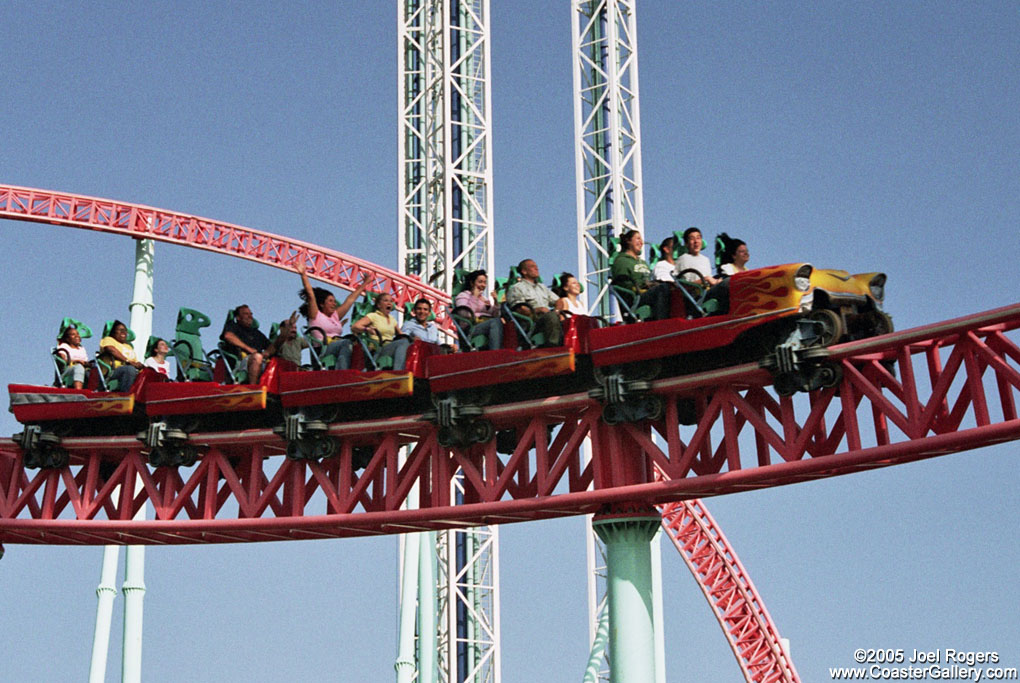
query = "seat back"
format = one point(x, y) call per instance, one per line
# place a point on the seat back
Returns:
point(193, 365)
point(628, 300)
point(62, 375)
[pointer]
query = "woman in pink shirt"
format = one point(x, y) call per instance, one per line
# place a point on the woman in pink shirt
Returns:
point(74, 355)
point(326, 318)
point(486, 313)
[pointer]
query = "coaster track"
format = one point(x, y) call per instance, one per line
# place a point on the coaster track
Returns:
point(144, 222)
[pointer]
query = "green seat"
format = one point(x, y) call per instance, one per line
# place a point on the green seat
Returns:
point(193, 365)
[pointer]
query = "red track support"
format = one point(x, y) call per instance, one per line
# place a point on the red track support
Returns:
point(954, 388)
point(741, 612)
point(145, 222)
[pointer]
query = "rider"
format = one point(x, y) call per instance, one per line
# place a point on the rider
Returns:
point(694, 259)
point(630, 270)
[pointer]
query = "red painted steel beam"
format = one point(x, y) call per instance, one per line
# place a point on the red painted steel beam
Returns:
point(954, 388)
point(145, 222)
point(740, 611)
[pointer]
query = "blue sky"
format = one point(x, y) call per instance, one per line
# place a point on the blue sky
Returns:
point(865, 136)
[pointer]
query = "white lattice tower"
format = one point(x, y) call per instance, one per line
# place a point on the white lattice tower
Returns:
point(607, 153)
point(446, 225)
point(607, 136)
point(445, 138)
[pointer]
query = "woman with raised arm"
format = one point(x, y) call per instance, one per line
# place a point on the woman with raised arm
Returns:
point(486, 313)
point(326, 318)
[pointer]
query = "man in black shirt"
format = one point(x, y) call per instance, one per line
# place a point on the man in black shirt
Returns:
point(246, 340)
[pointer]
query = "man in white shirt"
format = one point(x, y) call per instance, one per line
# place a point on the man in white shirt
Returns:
point(694, 259)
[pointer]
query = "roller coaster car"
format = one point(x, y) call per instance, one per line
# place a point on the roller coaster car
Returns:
point(33, 404)
point(298, 389)
point(772, 314)
point(477, 369)
point(48, 413)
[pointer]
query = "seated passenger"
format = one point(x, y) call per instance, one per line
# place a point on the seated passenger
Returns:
point(321, 311)
point(569, 290)
point(156, 352)
point(665, 267)
point(120, 356)
point(247, 342)
point(75, 354)
point(631, 271)
point(383, 328)
point(539, 301)
point(694, 259)
point(291, 344)
point(486, 313)
point(419, 326)
point(734, 256)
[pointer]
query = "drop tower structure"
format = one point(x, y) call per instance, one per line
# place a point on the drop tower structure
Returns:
point(445, 228)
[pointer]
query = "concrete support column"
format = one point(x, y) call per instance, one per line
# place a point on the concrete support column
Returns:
point(629, 581)
point(134, 559)
point(106, 592)
point(406, 665)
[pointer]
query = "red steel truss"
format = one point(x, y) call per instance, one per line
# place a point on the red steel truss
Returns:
point(741, 612)
point(953, 388)
point(144, 222)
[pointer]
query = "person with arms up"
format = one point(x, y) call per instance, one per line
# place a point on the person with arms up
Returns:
point(326, 317)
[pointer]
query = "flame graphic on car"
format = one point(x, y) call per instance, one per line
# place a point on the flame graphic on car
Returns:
point(761, 291)
point(388, 385)
point(113, 406)
point(246, 401)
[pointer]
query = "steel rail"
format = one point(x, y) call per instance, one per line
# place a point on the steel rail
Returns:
point(752, 635)
point(145, 222)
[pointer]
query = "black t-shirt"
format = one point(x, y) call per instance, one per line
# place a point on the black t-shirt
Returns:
point(249, 335)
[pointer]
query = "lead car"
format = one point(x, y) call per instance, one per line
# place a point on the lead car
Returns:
point(780, 316)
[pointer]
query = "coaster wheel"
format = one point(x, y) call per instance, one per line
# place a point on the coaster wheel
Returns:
point(831, 326)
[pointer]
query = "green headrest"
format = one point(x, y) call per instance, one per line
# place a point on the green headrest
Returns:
point(190, 321)
point(150, 346)
point(558, 282)
point(83, 330)
point(108, 327)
